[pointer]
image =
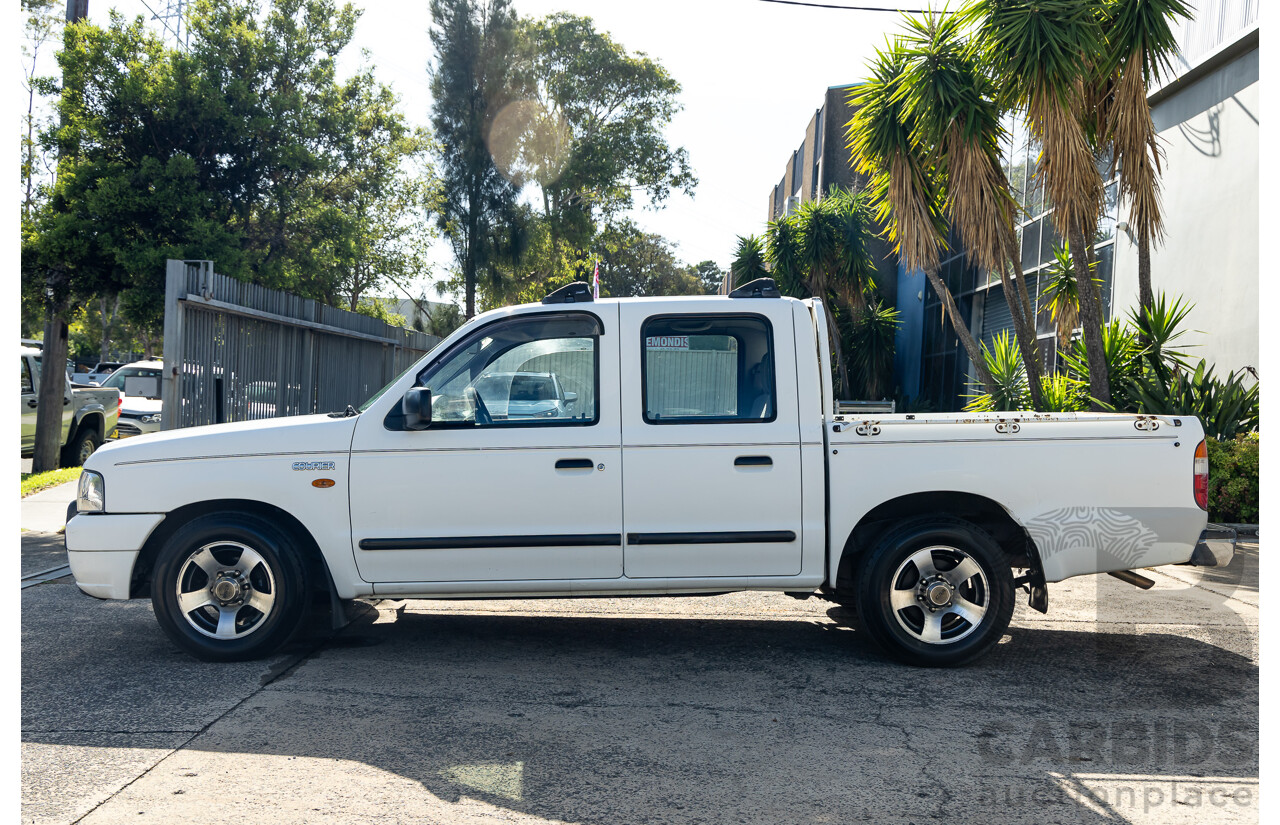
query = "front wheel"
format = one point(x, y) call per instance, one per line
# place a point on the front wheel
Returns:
point(935, 592)
point(229, 587)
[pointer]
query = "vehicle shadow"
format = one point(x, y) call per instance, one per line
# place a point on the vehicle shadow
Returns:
point(594, 719)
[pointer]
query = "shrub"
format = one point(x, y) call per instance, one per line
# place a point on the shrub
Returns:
point(1233, 479)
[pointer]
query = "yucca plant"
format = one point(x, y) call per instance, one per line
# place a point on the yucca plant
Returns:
point(1004, 362)
point(1061, 295)
point(1122, 357)
point(904, 184)
point(952, 102)
point(1042, 54)
point(748, 262)
point(1157, 329)
point(1225, 407)
point(1139, 46)
point(871, 338)
point(1062, 393)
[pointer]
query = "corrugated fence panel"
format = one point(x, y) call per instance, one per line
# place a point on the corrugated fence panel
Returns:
point(245, 352)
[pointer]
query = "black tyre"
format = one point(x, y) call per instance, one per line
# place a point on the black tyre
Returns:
point(230, 586)
point(78, 450)
point(936, 592)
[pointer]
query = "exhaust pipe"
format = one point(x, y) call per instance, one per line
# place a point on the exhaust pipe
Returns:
point(1133, 578)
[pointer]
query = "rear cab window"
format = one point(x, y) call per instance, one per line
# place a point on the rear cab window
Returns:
point(708, 369)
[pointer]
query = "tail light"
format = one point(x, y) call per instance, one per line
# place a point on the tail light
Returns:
point(1201, 483)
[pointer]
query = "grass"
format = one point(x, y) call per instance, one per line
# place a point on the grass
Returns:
point(35, 482)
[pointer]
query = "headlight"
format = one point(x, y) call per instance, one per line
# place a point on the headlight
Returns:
point(91, 495)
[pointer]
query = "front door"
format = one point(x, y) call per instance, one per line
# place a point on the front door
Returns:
point(710, 442)
point(520, 475)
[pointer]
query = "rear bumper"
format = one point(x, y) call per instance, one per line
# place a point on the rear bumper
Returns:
point(102, 549)
point(1216, 548)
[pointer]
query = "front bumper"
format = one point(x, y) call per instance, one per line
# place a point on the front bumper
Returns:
point(130, 425)
point(1216, 548)
point(102, 549)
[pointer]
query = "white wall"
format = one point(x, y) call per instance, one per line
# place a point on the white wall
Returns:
point(1209, 131)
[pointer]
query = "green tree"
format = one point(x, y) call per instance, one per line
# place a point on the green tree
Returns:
point(709, 274)
point(470, 83)
point(589, 131)
point(637, 264)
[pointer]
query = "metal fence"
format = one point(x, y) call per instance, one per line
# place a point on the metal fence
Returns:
point(235, 351)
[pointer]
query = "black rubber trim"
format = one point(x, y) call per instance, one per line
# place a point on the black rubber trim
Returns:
point(735, 537)
point(753, 461)
point(574, 464)
point(467, 542)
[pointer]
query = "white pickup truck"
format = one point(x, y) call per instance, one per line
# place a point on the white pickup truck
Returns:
point(688, 446)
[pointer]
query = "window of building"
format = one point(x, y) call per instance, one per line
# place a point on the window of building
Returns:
point(538, 370)
point(705, 369)
point(797, 171)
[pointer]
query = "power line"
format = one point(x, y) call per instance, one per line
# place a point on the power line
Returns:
point(847, 8)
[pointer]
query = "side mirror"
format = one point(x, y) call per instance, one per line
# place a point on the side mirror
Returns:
point(570, 398)
point(416, 406)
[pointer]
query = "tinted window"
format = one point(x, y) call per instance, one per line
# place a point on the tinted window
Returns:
point(707, 369)
point(26, 376)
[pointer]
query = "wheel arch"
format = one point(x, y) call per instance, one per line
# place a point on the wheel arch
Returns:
point(95, 419)
point(978, 510)
point(140, 583)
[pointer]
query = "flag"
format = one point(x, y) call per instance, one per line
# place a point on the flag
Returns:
point(595, 281)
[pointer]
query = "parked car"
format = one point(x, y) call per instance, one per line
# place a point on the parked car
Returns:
point(139, 385)
point(704, 455)
point(88, 415)
point(97, 376)
point(515, 396)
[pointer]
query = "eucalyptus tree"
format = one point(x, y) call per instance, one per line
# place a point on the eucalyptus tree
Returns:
point(1139, 46)
point(952, 102)
point(470, 83)
point(904, 183)
point(1042, 55)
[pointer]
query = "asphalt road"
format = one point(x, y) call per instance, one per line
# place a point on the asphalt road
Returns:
point(1120, 706)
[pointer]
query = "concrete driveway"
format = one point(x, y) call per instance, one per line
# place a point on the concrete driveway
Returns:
point(1120, 706)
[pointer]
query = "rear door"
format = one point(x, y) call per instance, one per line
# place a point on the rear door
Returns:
point(711, 444)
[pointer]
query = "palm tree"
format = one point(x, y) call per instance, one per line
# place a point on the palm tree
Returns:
point(748, 261)
point(1041, 54)
point(952, 103)
point(1140, 44)
point(903, 184)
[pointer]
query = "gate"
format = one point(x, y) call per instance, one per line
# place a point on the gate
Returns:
point(235, 351)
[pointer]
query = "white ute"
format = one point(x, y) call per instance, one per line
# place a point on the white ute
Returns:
point(701, 454)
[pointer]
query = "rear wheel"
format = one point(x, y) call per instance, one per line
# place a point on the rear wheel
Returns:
point(935, 592)
point(78, 450)
point(229, 587)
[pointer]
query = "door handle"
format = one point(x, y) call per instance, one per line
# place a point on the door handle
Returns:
point(66, 401)
point(753, 461)
point(31, 403)
point(575, 464)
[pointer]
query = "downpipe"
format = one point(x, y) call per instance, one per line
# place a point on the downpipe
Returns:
point(1133, 578)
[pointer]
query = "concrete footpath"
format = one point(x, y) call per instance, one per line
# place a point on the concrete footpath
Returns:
point(46, 511)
